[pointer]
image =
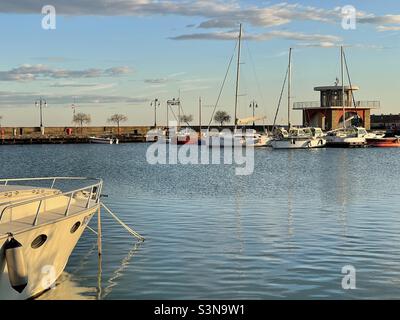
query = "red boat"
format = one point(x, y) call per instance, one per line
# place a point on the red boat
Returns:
point(384, 142)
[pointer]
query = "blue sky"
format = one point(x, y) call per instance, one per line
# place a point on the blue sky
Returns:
point(116, 58)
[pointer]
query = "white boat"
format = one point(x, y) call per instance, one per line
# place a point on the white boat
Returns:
point(39, 228)
point(185, 136)
point(239, 137)
point(157, 134)
point(296, 138)
point(299, 138)
point(103, 140)
point(348, 137)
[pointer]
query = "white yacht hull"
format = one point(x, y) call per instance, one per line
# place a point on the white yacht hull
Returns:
point(296, 143)
point(333, 141)
point(46, 263)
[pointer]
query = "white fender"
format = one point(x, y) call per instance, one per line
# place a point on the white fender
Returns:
point(16, 265)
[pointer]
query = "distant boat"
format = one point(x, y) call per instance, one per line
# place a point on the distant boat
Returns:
point(348, 137)
point(157, 134)
point(384, 142)
point(299, 138)
point(103, 140)
point(239, 138)
point(296, 138)
point(185, 136)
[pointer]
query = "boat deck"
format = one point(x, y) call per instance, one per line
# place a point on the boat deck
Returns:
point(44, 217)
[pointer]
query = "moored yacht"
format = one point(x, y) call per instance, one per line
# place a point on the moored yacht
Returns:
point(296, 138)
point(39, 228)
point(348, 137)
point(299, 138)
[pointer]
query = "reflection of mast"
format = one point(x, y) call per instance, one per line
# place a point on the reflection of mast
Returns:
point(343, 192)
point(118, 272)
point(239, 222)
point(290, 205)
point(99, 276)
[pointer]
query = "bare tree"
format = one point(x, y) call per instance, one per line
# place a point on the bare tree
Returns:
point(117, 119)
point(186, 119)
point(221, 117)
point(81, 119)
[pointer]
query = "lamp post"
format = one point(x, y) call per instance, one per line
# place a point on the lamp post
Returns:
point(155, 104)
point(41, 103)
point(175, 102)
point(253, 105)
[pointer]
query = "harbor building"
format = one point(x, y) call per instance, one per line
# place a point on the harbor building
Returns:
point(385, 121)
point(327, 113)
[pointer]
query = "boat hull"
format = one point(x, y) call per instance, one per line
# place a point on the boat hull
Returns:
point(346, 142)
point(293, 143)
point(46, 263)
point(384, 142)
point(103, 141)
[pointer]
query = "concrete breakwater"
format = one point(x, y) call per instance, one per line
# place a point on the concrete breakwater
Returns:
point(60, 135)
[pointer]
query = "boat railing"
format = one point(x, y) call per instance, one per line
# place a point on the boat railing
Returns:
point(92, 191)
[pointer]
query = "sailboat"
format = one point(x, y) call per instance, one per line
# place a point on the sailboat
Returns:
point(296, 138)
point(240, 137)
point(347, 136)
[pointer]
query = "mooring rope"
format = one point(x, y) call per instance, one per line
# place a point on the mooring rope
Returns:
point(131, 231)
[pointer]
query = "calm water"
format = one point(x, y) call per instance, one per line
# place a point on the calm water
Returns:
point(284, 232)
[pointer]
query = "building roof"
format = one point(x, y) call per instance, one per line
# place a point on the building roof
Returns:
point(334, 88)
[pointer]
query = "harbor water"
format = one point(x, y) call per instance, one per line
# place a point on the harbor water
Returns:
point(284, 232)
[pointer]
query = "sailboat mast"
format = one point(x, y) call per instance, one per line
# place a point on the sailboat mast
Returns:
point(199, 116)
point(238, 74)
point(289, 85)
point(343, 96)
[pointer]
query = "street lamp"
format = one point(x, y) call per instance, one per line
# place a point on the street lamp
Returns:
point(155, 104)
point(41, 103)
point(253, 105)
point(175, 102)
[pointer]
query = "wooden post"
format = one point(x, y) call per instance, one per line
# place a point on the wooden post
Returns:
point(99, 247)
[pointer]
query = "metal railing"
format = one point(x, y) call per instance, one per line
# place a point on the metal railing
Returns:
point(336, 104)
point(93, 192)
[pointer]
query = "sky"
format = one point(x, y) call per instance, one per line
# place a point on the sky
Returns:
point(111, 57)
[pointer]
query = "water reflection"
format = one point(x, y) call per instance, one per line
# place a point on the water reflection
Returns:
point(118, 273)
point(66, 288)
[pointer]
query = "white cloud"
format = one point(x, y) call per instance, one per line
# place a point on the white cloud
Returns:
point(27, 72)
point(388, 28)
point(231, 35)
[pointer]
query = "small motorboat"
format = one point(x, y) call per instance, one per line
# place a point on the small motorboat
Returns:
point(103, 140)
point(349, 137)
point(185, 136)
point(384, 142)
point(157, 135)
